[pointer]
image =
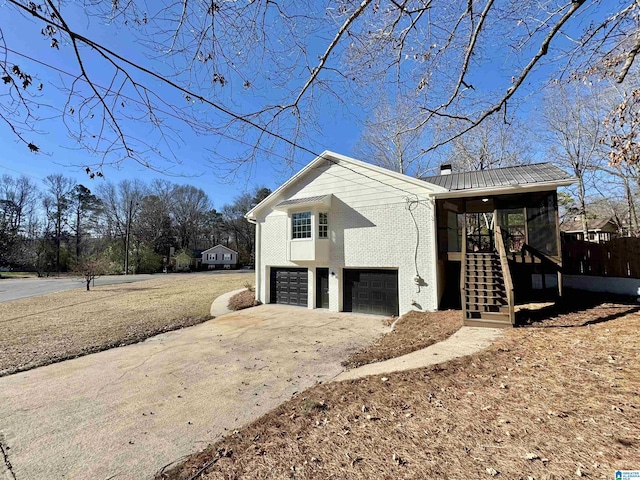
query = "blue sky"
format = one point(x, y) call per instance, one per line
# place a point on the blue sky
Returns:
point(340, 129)
point(59, 152)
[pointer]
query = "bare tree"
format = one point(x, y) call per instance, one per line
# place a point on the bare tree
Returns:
point(206, 57)
point(393, 138)
point(242, 232)
point(493, 144)
point(57, 203)
point(21, 193)
point(572, 116)
point(189, 208)
point(18, 197)
point(85, 206)
point(615, 202)
point(622, 177)
point(154, 225)
point(624, 124)
point(91, 267)
point(619, 134)
point(122, 204)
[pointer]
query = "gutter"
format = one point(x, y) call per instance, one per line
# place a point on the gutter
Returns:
point(533, 187)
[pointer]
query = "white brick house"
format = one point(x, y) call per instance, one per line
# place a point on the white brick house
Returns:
point(350, 236)
point(370, 228)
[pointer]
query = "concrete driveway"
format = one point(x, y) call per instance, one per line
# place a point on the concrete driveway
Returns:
point(16, 288)
point(126, 412)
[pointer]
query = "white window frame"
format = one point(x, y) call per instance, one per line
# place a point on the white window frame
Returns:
point(323, 226)
point(226, 256)
point(303, 229)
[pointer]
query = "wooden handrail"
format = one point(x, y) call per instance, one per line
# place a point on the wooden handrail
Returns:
point(463, 269)
point(556, 265)
point(506, 272)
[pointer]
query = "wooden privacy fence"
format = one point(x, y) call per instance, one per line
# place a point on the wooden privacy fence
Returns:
point(619, 257)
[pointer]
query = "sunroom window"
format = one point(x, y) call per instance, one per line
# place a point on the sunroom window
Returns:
point(301, 225)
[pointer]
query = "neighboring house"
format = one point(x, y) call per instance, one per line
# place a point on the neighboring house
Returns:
point(350, 236)
point(219, 257)
point(598, 230)
point(185, 260)
point(182, 261)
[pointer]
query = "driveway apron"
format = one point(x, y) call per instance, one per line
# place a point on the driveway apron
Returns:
point(127, 412)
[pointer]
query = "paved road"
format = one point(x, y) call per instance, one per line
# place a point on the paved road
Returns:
point(16, 288)
point(126, 412)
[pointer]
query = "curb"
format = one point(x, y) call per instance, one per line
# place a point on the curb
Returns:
point(220, 305)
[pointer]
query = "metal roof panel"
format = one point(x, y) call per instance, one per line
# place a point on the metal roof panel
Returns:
point(500, 177)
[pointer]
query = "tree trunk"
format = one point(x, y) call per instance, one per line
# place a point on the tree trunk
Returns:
point(88, 282)
point(58, 241)
point(583, 208)
point(633, 218)
point(78, 235)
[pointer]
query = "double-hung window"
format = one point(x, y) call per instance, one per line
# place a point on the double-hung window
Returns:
point(227, 256)
point(301, 225)
point(323, 225)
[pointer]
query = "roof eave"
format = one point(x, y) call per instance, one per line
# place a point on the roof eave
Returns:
point(506, 189)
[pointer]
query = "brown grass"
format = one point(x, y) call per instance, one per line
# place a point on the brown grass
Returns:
point(41, 330)
point(244, 299)
point(547, 403)
point(412, 331)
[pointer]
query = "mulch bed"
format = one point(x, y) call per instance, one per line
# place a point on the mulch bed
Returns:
point(555, 402)
point(413, 331)
point(244, 299)
point(578, 308)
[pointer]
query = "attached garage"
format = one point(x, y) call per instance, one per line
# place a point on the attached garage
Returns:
point(289, 286)
point(371, 291)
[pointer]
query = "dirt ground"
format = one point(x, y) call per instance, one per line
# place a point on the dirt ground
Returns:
point(413, 331)
point(557, 399)
point(37, 331)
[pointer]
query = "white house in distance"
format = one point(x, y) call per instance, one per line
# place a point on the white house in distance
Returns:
point(598, 230)
point(220, 257)
point(350, 236)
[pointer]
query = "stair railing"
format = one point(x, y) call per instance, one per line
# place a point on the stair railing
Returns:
point(506, 272)
point(554, 264)
point(463, 270)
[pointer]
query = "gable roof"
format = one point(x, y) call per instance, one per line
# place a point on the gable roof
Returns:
point(336, 158)
point(593, 225)
point(520, 175)
point(219, 245)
